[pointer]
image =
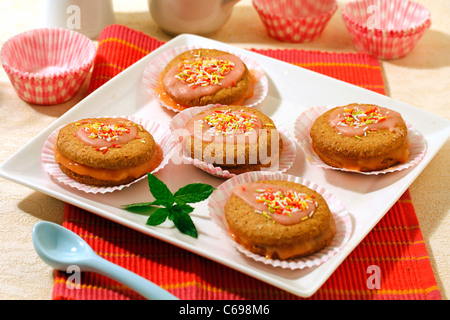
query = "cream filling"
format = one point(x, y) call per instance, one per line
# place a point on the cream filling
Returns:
point(111, 174)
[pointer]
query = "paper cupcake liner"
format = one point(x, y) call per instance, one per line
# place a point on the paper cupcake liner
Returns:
point(386, 17)
point(179, 122)
point(303, 126)
point(385, 47)
point(160, 133)
point(386, 29)
point(295, 20)
point(47, 66)
point(220, 196)
point(152, 71)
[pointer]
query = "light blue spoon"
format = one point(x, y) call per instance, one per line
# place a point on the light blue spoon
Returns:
point(60, 248)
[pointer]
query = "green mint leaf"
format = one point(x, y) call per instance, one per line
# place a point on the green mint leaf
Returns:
point(142, 210)
point(158, 217)
point(194, 192)
point(172, 206)
point(182, 220)
point(179, 209)
point(157, 202)
point(160, 192)
point(139, 204)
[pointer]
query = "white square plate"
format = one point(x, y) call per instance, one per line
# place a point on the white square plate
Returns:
point(291, 90)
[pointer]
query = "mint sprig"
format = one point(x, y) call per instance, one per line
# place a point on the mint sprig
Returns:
point(174, 206)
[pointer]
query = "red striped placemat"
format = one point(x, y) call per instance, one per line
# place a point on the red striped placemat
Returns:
point(395, 245)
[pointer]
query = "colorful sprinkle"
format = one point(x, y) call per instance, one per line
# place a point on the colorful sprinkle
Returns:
point(106, 131)
point(203, 71)
point(355, 117)
point(284, 203)
point(228, 122)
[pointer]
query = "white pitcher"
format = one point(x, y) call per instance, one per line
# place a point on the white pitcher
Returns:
point(88, 17)
point(202, 17)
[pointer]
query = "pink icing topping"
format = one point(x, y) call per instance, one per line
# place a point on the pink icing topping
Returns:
point(114, 133)
point(225, 126)
point(195, 78)
point(357, 120)
point(279, 203)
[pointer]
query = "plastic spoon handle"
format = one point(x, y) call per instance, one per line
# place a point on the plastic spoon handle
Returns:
point(139, 284)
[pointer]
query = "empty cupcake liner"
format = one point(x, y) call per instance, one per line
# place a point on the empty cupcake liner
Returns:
point(386, 29)
point(385, 47)
point(160, 133)
point(295, 20)
point(387, 17)
point(47, 66)
point(178, 125)
point(220, 196)
point(152, 72)
point(305, 121)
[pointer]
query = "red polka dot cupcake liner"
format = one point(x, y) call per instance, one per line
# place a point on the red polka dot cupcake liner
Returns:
point(220, 196)
point(48, 66)
point(178, 125)
point(160, 133)
point(388, 29)
point(151, 75)
point(295, 20)
point(304, 122)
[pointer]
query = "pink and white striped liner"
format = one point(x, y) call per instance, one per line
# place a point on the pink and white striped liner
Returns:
point(295, 20)
point(303, 126)
point(160, 133)
point(152, 71)
point(385, 47)
point(47, 66)
point(287, 157)
point(220, 196)
point(388, 29)
point(387, 17)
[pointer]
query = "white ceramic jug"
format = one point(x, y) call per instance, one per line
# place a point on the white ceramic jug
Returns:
point(88, 17)
point(202, 17)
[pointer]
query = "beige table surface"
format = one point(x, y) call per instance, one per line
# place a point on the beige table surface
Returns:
point(421, 79)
